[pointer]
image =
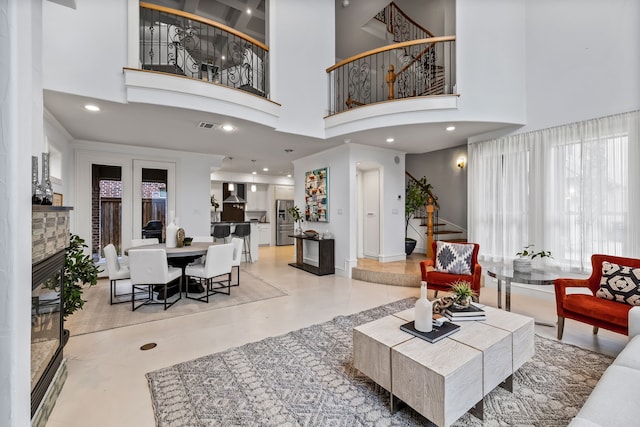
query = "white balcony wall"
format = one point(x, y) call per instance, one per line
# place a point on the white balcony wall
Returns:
point(491, 61)
point(85, 48)
point(302, 40)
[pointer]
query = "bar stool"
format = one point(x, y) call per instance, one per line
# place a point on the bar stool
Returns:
point(243, 231)
point(221, 232)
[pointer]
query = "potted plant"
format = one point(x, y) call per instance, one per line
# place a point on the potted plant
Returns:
point(524, 258)
point(79, 270)
point(297, 218)
point(416, 196)
point(462, 293)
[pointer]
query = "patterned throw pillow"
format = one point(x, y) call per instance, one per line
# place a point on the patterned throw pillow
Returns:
point(453, 258)
point(620, 283)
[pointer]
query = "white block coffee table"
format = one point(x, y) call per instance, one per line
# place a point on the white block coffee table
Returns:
point(444, 380)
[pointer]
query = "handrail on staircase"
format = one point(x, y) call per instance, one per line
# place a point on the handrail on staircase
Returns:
point(388, 13)
point(432, 206)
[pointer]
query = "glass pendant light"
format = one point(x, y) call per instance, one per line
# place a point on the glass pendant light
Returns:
point(253, 186)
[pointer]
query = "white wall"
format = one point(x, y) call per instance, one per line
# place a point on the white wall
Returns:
point(301, 38)
point(341, 206)
point(57, 138)
point(391, 197)
point(582, 60)
point(448, 180)
point(193, 187)
point(20, 125)
point(342, 163)
point(86, 48)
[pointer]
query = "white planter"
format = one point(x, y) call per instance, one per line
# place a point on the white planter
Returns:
point(522, 265)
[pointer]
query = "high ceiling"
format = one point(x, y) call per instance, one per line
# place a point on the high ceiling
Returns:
point(165, 127)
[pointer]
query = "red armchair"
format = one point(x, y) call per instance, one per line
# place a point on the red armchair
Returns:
point(595, 311)
point(439, 281)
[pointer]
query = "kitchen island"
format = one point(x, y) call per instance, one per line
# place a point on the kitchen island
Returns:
point(253, 238)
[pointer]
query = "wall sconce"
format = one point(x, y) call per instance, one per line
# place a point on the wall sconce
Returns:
point(230, 187)
point(462, 161)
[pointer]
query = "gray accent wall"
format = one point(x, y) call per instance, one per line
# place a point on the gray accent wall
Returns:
point(449, 181)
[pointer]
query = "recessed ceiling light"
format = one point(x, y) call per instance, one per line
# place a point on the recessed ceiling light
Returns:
point(265, 169)
point(390, 140)
point(254, 173)
point(288, 175)
point(223, 58)
point(450, 128)
point(91, 107)
point(248, 11)
point(227, 127)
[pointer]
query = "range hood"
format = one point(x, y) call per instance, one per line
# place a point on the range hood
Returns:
point(233, 198)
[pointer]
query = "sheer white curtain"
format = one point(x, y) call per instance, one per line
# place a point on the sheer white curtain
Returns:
point(573, 190)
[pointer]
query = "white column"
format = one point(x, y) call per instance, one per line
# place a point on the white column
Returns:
point(21, 125)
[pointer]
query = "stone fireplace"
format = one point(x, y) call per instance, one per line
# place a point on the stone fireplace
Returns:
point(49, 238)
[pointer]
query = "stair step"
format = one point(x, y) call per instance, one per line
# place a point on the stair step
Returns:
point(454, 240)
point(448, 232)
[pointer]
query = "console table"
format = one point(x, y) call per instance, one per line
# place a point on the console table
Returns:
point(326, 262)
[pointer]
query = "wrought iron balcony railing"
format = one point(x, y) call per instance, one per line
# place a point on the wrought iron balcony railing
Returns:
point(422, 67)
point(177, 42)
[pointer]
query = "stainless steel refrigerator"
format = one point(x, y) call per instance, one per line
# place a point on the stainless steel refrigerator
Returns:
point(284, 223)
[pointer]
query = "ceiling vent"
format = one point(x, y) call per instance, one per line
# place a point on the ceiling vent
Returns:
point(207, 125)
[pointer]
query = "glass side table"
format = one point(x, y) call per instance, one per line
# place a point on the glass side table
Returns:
point(507, 275)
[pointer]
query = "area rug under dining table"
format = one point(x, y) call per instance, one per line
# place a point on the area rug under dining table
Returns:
point(98, 314)
point(306, 378)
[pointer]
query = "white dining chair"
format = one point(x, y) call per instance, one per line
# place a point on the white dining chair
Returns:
point(215, 273)
point(116, 272)
point(144, 242)
point(237, 256)
point(201, 239)
point(149, 268)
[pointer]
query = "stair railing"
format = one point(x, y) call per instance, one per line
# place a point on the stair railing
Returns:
point(181, 43)
point(431, 209)
point(370, 77)
point(401, 25)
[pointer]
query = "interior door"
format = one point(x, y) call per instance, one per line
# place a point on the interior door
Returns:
point(371, 213)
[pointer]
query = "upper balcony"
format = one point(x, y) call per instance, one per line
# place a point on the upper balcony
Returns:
point(176, 43)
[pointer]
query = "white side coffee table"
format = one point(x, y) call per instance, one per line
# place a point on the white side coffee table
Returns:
point(444, 380)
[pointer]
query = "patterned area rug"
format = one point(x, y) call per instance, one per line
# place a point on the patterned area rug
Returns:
point(99, 315)
point(305, 378)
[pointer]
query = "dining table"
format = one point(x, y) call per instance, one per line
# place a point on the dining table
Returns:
point(181, 257)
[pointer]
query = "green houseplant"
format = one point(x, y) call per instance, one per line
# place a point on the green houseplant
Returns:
point(297, 218)
point(79, 270)
point(417, 195)
point(525, 257)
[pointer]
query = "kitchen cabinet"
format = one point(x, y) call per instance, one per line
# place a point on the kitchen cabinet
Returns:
point(264, 233)
point(257, 201)
point(283, 192)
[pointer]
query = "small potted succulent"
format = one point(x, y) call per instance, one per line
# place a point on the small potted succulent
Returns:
point(522, 263)
point(462, 293)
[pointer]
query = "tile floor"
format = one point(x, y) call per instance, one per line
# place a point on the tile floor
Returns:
point(106, 384)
